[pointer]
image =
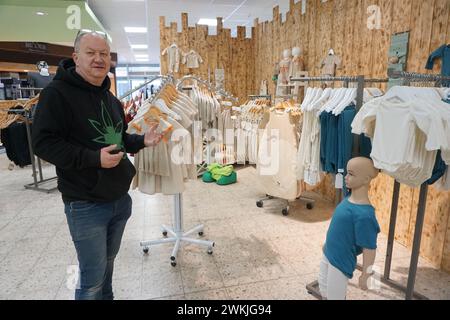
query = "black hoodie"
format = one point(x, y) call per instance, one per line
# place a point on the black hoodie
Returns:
point(73, 121)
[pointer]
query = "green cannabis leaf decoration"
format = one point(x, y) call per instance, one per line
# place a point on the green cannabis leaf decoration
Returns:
point(109, 134)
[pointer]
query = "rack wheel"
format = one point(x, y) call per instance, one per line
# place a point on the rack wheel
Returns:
point(145, 250)
point(309, 206)
point(164, 233)
point(173, 263)
point(259, 204)
point(285, 212)
point(200, 233)
point(210, 251)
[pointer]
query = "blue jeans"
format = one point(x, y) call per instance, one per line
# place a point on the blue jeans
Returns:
point(96, 230)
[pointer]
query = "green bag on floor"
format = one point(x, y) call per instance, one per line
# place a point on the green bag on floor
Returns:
point(226, 180)
point(207, 177)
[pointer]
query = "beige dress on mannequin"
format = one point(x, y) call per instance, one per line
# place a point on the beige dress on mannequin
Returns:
point(277, 165)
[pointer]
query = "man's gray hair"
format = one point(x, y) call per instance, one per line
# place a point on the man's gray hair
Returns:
point(81, 34)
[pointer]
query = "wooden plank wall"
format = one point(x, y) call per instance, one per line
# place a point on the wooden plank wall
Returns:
point(218, 51)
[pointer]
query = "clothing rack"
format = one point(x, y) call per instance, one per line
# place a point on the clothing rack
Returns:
point(176, 232)
point(260, 203)
point(42, 185)
point(145, 84)
point(203, 167)
point(409, 289)
point(313, 288)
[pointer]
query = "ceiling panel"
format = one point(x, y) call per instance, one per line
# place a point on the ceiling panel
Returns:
point(117, 14)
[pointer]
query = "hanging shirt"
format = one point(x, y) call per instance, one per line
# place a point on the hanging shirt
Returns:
point(443, 53)
point(410, 155)
point(192, 59)
point(330, 64)
point(173, 57)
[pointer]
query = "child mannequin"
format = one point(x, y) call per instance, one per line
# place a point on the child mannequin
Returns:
point(283, 77)
point(353, 230)
point(297, 65)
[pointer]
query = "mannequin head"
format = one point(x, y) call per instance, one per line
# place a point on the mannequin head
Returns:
point(360, 172)
point(286, 54)
point(296, 51)
point(42, 66)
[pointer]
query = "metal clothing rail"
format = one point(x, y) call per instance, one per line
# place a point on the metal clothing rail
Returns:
point(313, 288)
point(207, 84)
point(409, 289)
point(198, 79)
point(176, 232)
point(37, 184)
point(420, 77)
point(130, 92)
point(260, 96)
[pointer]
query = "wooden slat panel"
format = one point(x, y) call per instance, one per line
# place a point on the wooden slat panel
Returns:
point(359, 59)
point(435, 224)
point(369, 37)
point(445, 264)
point(383, 39)
point(349, 63)
point(441, 26)
point(419, 44)
point(401, 21)
point(338, 27)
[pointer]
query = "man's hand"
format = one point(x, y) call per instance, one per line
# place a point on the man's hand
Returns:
point(108, 160)
point(152, 138)
point(363, 279)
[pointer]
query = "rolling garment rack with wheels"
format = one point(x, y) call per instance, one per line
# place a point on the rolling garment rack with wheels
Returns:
point(260, 203)
point(177, 235)
point(313, 288)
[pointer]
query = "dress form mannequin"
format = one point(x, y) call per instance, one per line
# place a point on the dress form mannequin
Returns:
point(42, 78)
point(353, 226)
point(298, 64)
point(297, 67)
point(263, 88)
point(283, 77)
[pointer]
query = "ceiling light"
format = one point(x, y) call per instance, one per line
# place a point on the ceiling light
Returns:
point(135, 29)
point(144, 56)
point(139, 46)
point(141, 60)
point(209, 22)
point(41, 13)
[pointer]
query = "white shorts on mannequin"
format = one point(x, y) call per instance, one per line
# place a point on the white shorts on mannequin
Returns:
point(332, 282)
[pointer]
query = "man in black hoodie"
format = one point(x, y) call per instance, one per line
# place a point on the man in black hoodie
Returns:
point(80, 127)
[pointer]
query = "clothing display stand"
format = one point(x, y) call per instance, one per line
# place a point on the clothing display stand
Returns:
point(202, 168)
point(176, 232)
point(260, 203)
point(38, 184)
point(313, 288)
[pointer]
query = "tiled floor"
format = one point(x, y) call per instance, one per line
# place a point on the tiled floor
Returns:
point(259, 253)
